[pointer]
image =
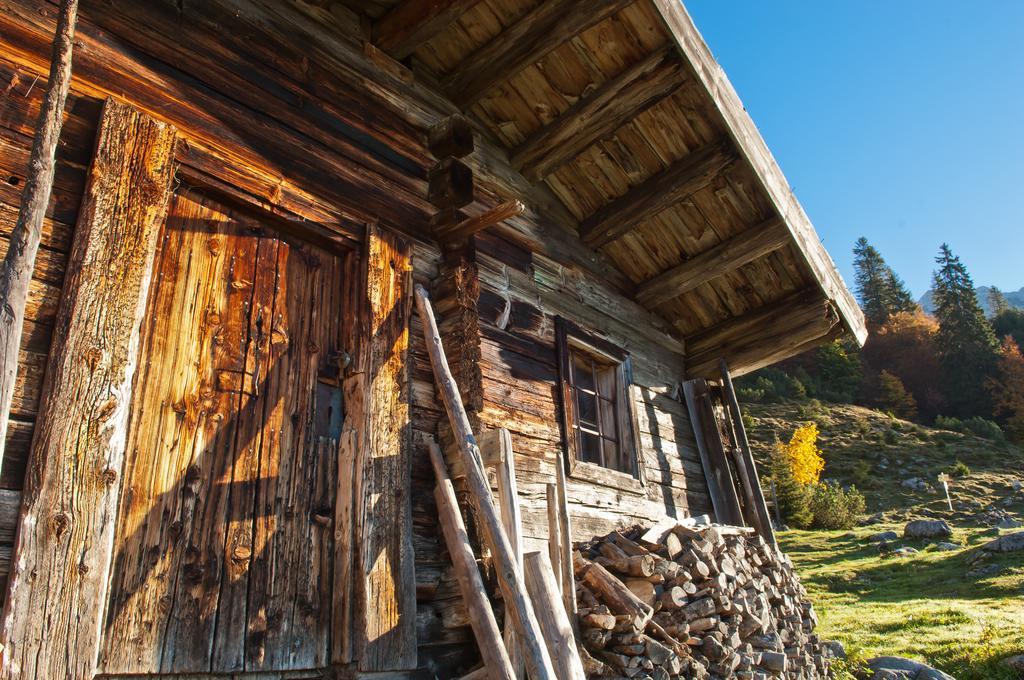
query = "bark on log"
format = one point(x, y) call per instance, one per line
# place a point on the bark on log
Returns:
point(471, 586)
point(558, 633)
point(16, 271)
point(510, 576)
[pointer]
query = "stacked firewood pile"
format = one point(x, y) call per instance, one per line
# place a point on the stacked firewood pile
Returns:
point(693, 602)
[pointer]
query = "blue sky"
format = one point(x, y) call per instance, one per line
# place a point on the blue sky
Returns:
point(902, 121)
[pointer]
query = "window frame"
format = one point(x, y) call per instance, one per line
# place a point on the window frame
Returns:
point(567, 336)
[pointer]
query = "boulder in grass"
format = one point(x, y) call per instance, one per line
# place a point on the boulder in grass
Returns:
point(915, 484)
point(1016, 664)
point(927, 528)
point(898, 667)
point(1008, 543)
point(883, 536)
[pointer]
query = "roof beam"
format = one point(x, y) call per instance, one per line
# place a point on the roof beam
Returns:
point(727, 256)
point(716, 85)
point(658, 192)
point(526, 42)
point(606, 109)
point(411, 23)
point(776, 328)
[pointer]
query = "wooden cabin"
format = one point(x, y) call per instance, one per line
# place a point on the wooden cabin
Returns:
point(216, 458)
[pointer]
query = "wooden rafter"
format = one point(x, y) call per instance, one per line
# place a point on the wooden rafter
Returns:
point(472, 225)
point(655, 194)
point(752, 147)
point(413, 22)
point(527, 41)
point(599, 114)
point(725, 257)
point(762, 335)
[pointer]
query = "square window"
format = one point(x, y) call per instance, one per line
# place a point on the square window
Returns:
point(597, 415)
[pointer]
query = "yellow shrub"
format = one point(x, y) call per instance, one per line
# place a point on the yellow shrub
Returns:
point(804, 455)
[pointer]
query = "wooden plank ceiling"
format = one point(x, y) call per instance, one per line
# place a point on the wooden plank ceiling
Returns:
point(613, 104)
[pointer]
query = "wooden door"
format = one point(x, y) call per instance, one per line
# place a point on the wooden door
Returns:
point(224, 552)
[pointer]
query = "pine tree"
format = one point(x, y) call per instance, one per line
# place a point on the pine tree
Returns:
point(968, 347)
point(997, 302)
point(880, 291)
point(870, 281)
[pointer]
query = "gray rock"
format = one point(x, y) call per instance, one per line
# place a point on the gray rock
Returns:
point(1009, 523)
point(835, 648)
point(884, 536)
point(906, 668)
point(947, 547)
point(1017, 485)
point(927, 528)
point(915, 484)
point(872, 519)
point(1008, 543)
point(904, 552)
point(1016, 663)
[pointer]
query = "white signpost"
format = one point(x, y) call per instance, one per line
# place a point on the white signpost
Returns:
point(944, 478)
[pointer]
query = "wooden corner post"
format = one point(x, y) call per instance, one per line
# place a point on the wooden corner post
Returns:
point(58, 586)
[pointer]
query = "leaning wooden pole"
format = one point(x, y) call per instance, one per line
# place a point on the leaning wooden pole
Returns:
point(471, 585)
point(746, 455)
point(16, 271)
point(510, 576)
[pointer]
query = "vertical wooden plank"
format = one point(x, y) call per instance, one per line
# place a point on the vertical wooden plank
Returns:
point(512, 519)
point(709, 444)
point(554, 621)
point(386, 630)
point(58, 586)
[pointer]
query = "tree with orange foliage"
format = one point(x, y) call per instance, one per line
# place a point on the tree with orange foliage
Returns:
point(1008, 388)
point(906, 347)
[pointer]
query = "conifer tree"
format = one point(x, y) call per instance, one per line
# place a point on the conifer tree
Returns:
point(997, 302)
point(880, 291)
point(968, 347)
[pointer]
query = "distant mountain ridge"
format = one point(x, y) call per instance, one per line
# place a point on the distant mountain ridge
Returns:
point(1016, 299)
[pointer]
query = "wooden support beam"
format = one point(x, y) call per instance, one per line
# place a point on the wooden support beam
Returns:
point(747, 465)
point(720, 465)
point(550, 24)
point(452, 137)
point(761, 334)
point(566, 569)
point(19, 262)
point(655, 194)
point(558, 632)
point(727, 256)
point(600, 113)
point(471, 586)
point(471, 225)
point(450, 184)
point(412, 23)
point(713, 479)
point(554, 535)
point(53, 616)
point(385, 588)
point(510, 576)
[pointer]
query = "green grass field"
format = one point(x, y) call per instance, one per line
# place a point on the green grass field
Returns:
point(925, 606)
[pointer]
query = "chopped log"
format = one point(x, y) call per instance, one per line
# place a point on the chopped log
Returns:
point(641, 566)
point(608, 107)
point(643, 589)
point(655, 194)
point(558, 633)
point(471, 586)
point(52, 626)
point(747, 466)
point(469, 226)
point(509, 574)
point(452, 137)
point(612, 591)
point(20, 260)
point(727, 256)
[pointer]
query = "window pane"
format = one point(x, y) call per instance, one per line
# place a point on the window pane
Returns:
point(583, 372)
point(587, 409)
point(590, 448)
point(606, 381)
point(612, 458)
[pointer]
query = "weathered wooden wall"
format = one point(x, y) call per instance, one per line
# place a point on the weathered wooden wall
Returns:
point(274, 112)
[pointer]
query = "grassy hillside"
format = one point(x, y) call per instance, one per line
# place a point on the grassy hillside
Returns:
point(942, 607)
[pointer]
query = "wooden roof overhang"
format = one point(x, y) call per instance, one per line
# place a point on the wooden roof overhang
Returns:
point(618, 108)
